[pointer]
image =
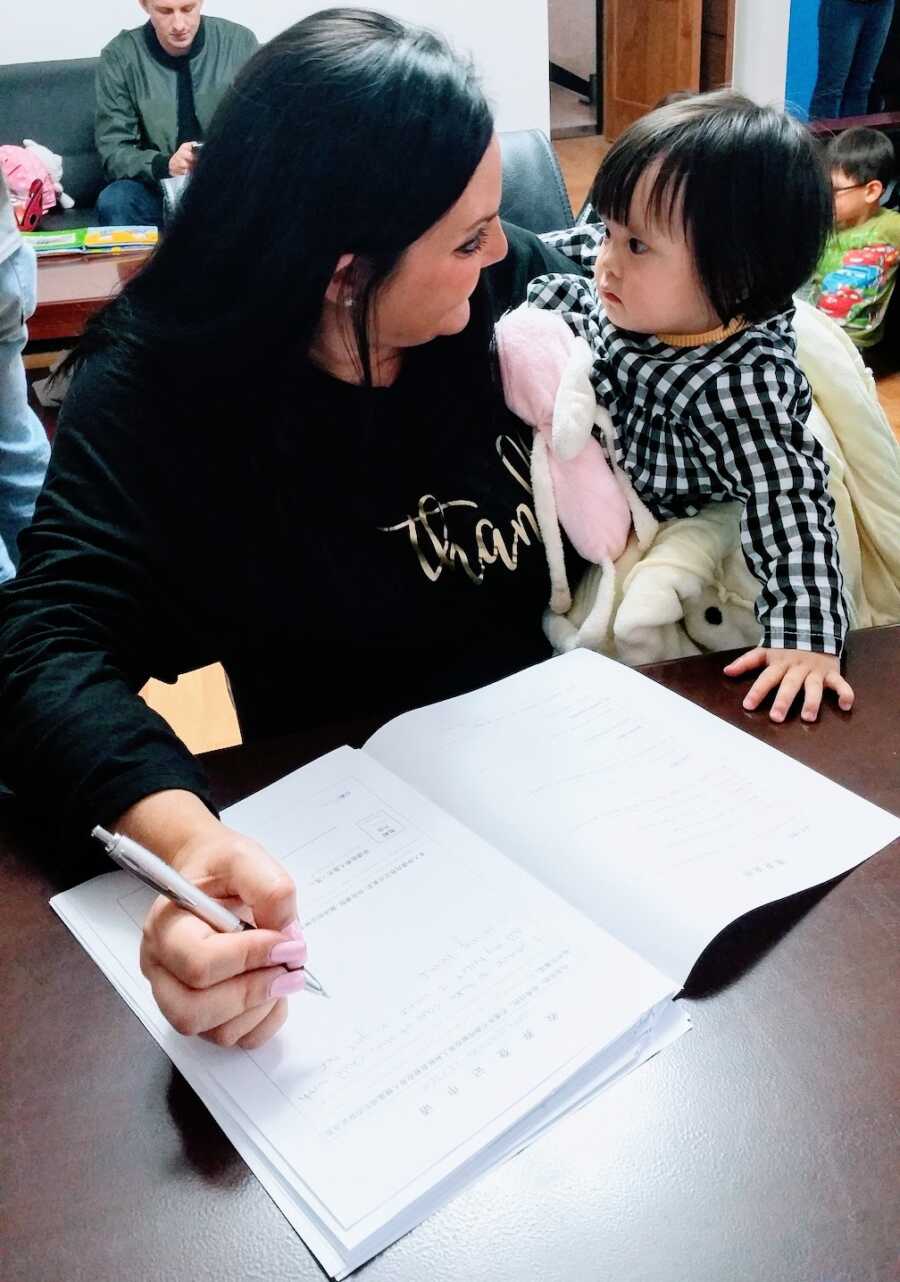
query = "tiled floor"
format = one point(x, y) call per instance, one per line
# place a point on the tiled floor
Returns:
point(571, 115)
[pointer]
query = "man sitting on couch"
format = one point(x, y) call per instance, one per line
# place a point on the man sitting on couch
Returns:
point(157, 89)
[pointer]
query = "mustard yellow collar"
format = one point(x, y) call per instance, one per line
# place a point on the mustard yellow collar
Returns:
point(711, 335)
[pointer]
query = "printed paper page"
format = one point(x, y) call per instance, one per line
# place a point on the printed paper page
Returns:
point(461, 994)
point(94, 914)
point(660, 821)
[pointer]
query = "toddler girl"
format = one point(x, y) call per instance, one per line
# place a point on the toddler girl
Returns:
point(714, 210)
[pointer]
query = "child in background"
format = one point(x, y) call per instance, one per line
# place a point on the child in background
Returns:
point(856, 274)
point(714, 212)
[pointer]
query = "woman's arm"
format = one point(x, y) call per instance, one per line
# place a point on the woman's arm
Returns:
point(93, 613)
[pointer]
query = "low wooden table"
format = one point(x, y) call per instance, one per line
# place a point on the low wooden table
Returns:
point(764, 1146)
point(71, 288)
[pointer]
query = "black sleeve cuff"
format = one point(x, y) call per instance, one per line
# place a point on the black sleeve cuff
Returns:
point(160, 167)
point(113, 797)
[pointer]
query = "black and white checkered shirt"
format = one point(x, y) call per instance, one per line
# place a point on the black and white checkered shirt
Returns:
point(725, 420)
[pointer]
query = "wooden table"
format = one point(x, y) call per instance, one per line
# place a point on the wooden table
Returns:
point(762, 1147)
point(72, 288)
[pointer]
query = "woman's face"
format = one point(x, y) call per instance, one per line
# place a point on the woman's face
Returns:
point(428, 292)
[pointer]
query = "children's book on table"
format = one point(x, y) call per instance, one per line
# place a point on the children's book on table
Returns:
point(91, 240)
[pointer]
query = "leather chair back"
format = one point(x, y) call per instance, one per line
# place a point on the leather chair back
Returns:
point(534, 194)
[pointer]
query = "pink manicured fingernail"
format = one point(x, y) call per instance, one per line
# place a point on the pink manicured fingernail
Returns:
point(294, 931)
point(292, 953)
point(284, 985)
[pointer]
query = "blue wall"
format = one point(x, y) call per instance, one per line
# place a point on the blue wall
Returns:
point(803, 54)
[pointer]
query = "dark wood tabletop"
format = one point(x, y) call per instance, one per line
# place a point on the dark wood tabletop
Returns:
point(764, 1146)
point(72, 287)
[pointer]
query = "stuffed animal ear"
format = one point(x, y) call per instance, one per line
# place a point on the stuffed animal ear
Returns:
point(48, 158)
point(533, 348)
point(576, 403)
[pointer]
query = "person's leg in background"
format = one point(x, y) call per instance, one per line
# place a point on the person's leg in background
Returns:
point(866, 56)
point(24, 449)
point(130, 203)
point(840, 23)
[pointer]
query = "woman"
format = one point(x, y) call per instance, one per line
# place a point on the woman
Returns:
point(852, 34)
point(284, 449)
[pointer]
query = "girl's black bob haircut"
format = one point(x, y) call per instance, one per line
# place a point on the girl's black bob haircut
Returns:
point(746, 183)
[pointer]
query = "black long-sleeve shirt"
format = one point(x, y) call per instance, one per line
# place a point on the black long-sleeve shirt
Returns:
point(367, 551)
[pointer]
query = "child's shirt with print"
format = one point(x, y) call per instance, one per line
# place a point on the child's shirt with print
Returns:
point(723, 419)
point(855, 277)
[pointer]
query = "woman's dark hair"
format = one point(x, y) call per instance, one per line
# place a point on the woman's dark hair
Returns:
point(350, 132)
point(863, 155)
point(746, 183)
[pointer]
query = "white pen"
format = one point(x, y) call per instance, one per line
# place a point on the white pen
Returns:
point(162, 878)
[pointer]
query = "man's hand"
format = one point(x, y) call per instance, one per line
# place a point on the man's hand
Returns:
point(183, 161)
point(791, 671)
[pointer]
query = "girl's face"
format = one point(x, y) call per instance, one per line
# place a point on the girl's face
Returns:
point(646, 276)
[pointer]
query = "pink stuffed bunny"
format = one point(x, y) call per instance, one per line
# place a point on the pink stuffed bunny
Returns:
point(22, 167)
point(545, 370)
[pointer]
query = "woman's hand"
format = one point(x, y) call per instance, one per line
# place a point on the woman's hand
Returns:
point(791, 671)
point(228, 988)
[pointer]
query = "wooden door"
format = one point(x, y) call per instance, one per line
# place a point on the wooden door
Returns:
point(717, 44)
point(652, 47)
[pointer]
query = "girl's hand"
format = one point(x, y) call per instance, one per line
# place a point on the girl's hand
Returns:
point(791, 671)
point(228, 988)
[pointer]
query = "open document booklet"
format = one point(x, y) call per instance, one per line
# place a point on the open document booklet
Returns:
point(502, 894)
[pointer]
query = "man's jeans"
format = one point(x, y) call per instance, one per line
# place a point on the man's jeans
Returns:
point(130, 203)
point(851, 40)
point(24, 451)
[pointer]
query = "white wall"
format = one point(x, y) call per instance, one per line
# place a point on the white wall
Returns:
point(507, 38)
point(760, 49)
point(573, 35)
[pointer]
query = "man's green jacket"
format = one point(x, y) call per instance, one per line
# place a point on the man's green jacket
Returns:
point(136, 127)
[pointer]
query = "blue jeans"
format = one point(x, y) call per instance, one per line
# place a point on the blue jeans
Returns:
point(851, 40)
point(130, 203)
point(24, 450)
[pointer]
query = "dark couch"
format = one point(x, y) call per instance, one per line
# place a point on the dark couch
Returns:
point(53, 103)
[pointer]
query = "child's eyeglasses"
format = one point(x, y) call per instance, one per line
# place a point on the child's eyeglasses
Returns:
point(836, 191)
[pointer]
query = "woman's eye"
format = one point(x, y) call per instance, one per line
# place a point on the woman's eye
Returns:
point(636, 246)
point(477, 242)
